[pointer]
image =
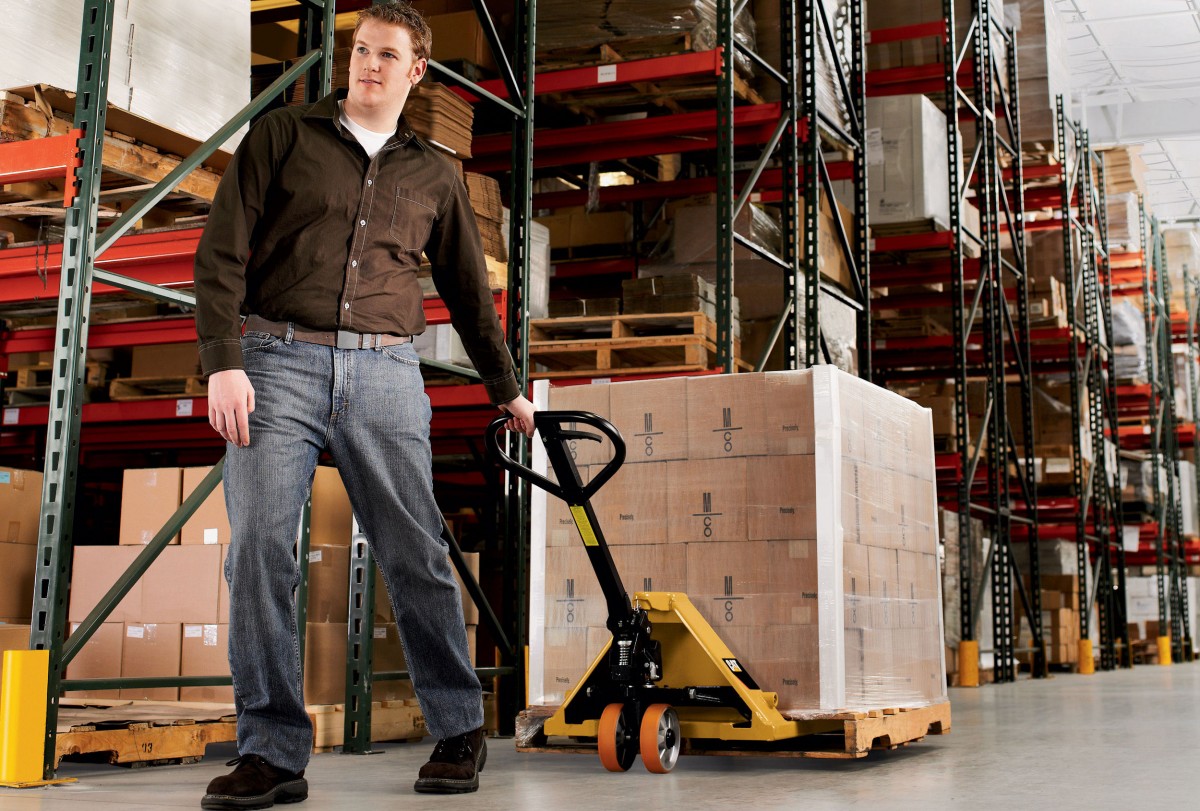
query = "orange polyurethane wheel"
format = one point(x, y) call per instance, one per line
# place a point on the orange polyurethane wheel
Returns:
point(659, 738)
point(612, 739)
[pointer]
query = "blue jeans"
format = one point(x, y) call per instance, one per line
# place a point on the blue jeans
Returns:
point(368, 407)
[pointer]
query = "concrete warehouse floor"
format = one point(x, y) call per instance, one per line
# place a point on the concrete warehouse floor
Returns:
point(1113, 740)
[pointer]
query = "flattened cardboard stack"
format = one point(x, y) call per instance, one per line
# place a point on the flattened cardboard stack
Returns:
point(795, 509)
point(440, 116)
point(1124, 169)
point(484, 192)
point(1042, 65)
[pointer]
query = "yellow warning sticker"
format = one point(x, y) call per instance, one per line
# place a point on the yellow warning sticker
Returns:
point(585, 528)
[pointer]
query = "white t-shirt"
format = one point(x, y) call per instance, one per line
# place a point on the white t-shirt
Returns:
point(371, 141)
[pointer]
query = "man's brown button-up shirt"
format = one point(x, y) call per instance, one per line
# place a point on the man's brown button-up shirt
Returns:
point(306, 228)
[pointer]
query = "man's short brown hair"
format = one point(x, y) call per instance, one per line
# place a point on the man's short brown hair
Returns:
point(404, 15)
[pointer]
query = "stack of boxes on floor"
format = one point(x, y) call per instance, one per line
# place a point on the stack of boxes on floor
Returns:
point(1145, 625)
point(796, 511)
point(20, 505)
point(175, 620)
point(1059, 571)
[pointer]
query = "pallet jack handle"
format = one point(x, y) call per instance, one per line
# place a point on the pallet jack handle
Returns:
point(551, 425)
point(555, 436)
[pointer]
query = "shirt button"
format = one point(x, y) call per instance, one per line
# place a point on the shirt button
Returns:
point(354, 263)
point(369, 182)
point(347, 305)
point(362, 222)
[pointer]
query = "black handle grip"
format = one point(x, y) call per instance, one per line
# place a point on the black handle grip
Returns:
point(549, 425)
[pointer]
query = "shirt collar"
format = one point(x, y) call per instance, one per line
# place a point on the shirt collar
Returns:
point(328, 108)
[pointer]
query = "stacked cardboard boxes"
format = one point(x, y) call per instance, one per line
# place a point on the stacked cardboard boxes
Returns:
point(174, 621)
point(796, 510)
point(20, 506)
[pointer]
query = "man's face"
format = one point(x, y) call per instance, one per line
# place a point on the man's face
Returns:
point(382, 67)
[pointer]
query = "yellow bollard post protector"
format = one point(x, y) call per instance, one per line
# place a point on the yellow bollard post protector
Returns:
point(23, 718)
point(1164, 650)
point(968, 663)
point(1087, 659)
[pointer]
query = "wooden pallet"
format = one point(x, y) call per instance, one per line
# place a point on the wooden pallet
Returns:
point(43, 375)
point(133, 733)
point(157, 388)
point(399, 720)
point(390, 721)
point(40, 395)
point(590, 346)
point(843, 735)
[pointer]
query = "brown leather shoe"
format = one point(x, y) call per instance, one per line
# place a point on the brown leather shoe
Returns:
point(454, 766)
point(255, 784)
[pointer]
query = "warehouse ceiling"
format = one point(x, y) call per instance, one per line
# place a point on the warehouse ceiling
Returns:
point(1135, 79)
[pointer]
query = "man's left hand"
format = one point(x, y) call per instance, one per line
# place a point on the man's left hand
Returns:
point(522, 415)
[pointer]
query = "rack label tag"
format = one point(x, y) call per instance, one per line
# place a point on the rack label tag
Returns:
point(183, 408)
point(606, 73)
point(12, 416)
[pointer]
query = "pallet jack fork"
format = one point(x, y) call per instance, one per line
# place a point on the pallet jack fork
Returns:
point(665, 675)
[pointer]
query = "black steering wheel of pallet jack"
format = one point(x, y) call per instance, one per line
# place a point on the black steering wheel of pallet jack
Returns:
point(622, 732)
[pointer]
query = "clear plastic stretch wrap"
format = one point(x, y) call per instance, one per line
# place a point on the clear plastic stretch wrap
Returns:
point(568, 25)
point(795, 509)
point(1129, 340)
point(180, 64)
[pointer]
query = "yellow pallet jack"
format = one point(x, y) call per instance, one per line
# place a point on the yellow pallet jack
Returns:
point(665, 675)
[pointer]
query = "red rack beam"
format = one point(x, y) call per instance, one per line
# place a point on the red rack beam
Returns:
point(570, 80)
point(163, 258)
point(687, 132)
point(52, 158)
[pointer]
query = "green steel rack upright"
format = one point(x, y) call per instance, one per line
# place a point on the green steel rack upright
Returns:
point(1171, 569)
point(796, 144)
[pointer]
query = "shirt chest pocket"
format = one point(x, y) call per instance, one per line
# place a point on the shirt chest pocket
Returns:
point(412, 218)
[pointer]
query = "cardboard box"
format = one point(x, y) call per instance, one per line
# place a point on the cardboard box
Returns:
point(781, 498)
point(788, 413)
point(149, 497)
point(459, 36)
point(18, 564)
point(856, 586)
point(210, 523)
point(725, 416)
point(593, 398)
point(20, 505)
point(12, 637)
point(331, 523)
point(151, 650)
point(325, 663)
point(560, 525)
point(204, 651)
point(632, 507)
point(94, 570)
point(573, 596)
point(470, 610)
point(653, 567)
point(782, 659)
point(165, 360)
point(884, 573)
point(329, 584)
point(706, 501)
point(908, 179)
point(653, 418)
point(182, 585)
point(99, 658)
point(729, 585)
point(567, 653)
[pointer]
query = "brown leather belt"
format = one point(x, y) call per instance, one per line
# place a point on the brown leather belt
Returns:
point(341, 339)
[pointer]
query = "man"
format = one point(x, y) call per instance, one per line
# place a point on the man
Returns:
point(315, 237)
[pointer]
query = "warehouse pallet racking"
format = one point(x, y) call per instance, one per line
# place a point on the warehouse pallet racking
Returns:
point(166, 258)
point(978, 84)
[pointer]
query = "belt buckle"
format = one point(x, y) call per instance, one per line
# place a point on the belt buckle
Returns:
point(348, 340)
